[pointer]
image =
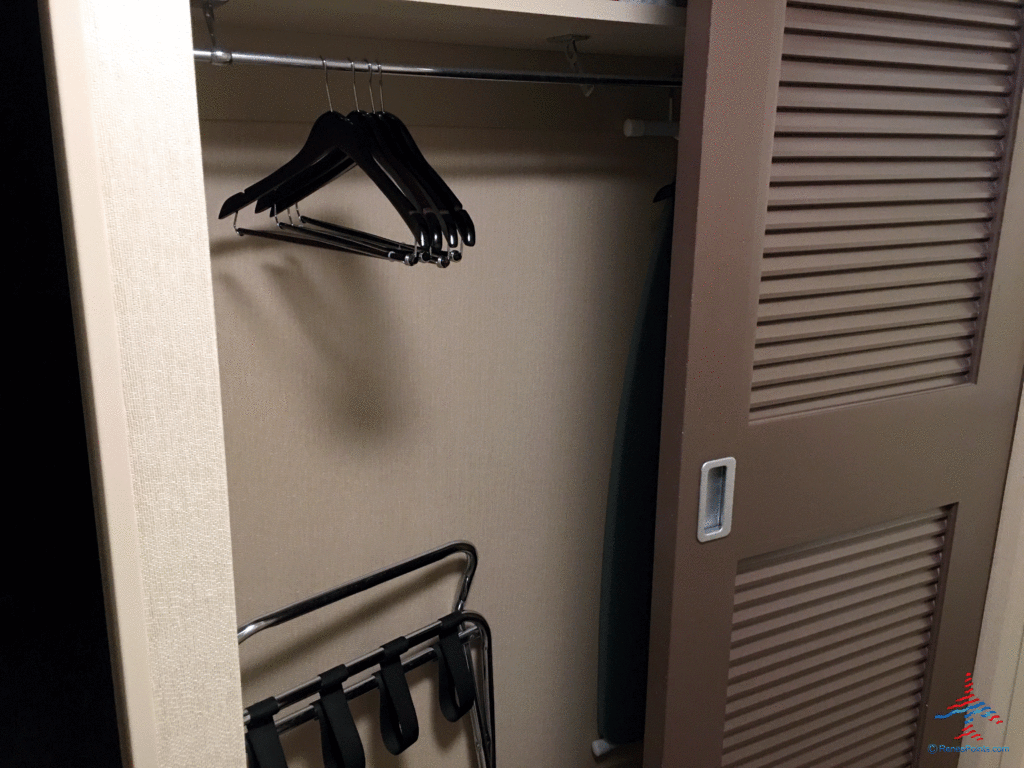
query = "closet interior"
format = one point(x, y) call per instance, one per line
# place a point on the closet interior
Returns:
point(373, 412)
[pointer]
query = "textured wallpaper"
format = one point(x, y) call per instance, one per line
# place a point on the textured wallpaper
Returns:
point(146, 128)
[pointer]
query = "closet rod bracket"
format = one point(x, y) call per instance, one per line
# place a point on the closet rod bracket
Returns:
point(217, 54)
point(573, 56)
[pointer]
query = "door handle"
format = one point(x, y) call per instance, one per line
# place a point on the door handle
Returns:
point(714, 511)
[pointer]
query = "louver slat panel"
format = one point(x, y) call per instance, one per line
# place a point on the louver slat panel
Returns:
point(760, 708)
point(870, 279)
point(877, 258)
point(868, 300)
point(931, 10)
point(858, 26)
point(803, 694)
point(803, 47)
point(803, 148)
point(767, 632)
point(860, 361)
point(852, 547)
point(796, 707)
point(839, 217)
point(821, 173)
point(819, 347)
point(914, 650)
point(885, 625)
point(868, 575)
point(754, 724)
point(859, 715)
point(827, 327)
point(887, 166)
point(834, 240)
point(888, 78)
point(894, 638)
point(846, 565)
point(833, 751)
point(811, 391)
point(820, 124)
point(780, 198)
point(854, 100)
point(906, 388)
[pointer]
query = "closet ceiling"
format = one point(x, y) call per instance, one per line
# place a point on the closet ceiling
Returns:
point(614, 27)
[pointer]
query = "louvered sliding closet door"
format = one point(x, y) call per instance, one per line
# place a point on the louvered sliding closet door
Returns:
point(887, 166)
point(848, 277)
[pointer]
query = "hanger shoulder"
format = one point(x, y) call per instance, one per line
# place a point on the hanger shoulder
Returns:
point(318, 144)
point(447, 201)
point(395, 166)
point(412, 160)
point(357, 142)
point(301, 186)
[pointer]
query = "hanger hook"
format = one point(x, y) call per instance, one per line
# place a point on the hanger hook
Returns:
point(380, 84)
point(327, 85)
point(352, 69)
point(369, 71)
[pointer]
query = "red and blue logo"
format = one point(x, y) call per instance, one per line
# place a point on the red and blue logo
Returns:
point(971, 707)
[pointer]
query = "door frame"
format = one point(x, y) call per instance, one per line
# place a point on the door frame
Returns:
point(126, 139)
point(119, 348)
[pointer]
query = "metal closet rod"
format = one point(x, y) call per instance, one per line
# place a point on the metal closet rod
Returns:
point(459, 73)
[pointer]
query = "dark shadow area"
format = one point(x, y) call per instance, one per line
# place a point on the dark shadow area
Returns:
point(55, 673)
point(301, 298)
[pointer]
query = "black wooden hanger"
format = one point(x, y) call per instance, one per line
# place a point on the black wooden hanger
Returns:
point(397, 153)
point(317, 146)
point(390, 161)
point(380, 144)
point(333, 237)
point(337, 137)
point(437, 256)
point(407, 257)
point(295, 190)
point(437, 196)
point(333, 131)
point(446, 200)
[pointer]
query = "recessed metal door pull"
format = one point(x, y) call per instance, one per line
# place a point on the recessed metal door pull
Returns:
point(714, 517)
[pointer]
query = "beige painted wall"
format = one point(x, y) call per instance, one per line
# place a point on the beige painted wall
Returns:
point(373, 411)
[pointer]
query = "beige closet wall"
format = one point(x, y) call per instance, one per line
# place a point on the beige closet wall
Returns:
point(373, 411)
